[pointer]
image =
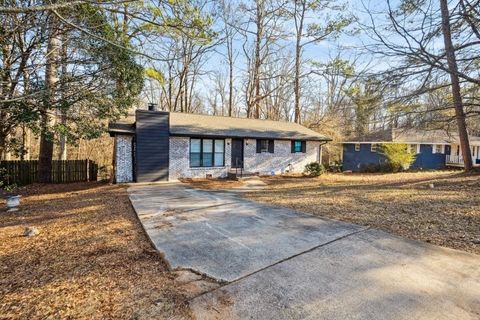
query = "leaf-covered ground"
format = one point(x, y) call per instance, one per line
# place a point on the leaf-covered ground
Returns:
point(404, 203)
point(91, 259)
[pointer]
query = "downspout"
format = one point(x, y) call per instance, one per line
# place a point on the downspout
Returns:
point(321, 152)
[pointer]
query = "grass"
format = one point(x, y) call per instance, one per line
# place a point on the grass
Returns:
point(403, 203)
point(91, 259)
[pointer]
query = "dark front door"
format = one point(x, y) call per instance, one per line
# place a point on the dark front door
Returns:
point(237, 153)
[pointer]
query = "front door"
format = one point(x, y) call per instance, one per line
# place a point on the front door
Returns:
point(237, 153)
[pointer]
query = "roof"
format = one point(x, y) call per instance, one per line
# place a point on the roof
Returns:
point(119, 127)
point(188, 124)
point(413, 136)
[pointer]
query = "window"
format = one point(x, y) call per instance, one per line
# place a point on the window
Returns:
point(373, 147)
point(299, 146)
point(437, 148)
point(264, 145)
point(219, 159)
point(413, 148)
point(207, 152)
point(357, 147)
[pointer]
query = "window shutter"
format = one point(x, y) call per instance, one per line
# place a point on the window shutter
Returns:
point(293, 146)
point(259, 146)
point(271, 147)
point(304, 146)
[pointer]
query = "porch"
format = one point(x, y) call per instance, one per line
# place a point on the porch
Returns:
point(457, 161)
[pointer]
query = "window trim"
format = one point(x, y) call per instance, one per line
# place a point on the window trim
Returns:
point(373, 147)
point(357, 145)
point(201, 152)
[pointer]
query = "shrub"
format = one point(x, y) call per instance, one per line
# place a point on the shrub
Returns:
point(4, 185)
point(314, 169)
point(397, 156)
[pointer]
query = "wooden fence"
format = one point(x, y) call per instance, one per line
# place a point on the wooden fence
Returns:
point(63, 171)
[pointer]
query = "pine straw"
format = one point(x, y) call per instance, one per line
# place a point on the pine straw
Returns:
point(403, 203)
point(91, 259)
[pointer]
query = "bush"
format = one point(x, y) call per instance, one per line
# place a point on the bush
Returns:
point(314, 169)
point(4, 185)
point(397, 156)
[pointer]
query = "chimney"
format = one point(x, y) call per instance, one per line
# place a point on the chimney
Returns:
point(152, 107)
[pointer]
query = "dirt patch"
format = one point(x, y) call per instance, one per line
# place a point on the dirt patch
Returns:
point(91, 259)
point(437, 207)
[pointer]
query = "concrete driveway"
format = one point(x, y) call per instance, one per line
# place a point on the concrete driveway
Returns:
point(276, 263)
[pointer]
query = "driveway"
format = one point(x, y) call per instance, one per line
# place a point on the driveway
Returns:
point(276, 263)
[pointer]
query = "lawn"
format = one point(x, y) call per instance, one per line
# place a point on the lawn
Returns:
point(403, 203)
point(91, 259)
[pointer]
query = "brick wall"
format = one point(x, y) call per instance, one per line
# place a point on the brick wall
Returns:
point(281, 161)
point(180, 161)
point(123, 158)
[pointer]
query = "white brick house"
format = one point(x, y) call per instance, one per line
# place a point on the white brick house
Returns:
point(161, 146)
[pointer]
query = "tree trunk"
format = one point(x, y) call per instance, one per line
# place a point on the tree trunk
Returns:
point(257, 65)
point(51, 80)
point(456, 92)
point(230, 77)
point(62, 150)
point(298, 57)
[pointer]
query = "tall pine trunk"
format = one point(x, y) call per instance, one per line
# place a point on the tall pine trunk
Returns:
point(298, 57)
point(51, 81)
point(62, 148)
point(258, 62)
point(456, 92)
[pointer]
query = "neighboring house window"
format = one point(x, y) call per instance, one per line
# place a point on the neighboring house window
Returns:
point(413, 148)
point(357, 147)
point(437, 148)
point(265, 145)
point(207, 152)
point(299, 146)
point(373, 147)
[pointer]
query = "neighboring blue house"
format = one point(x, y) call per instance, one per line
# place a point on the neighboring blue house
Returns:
point(434, 149)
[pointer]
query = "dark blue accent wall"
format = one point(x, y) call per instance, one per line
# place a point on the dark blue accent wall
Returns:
point(152, 146)
point(355, 160)
point(428, 160)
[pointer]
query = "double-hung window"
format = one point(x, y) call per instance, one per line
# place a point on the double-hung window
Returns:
point(265, 145)
point(437, 148)
point(207, 152)
point(299, 146)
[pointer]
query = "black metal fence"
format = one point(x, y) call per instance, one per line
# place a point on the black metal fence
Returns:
point(23, 172)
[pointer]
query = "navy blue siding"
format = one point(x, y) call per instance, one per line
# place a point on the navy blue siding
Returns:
point(152, 146)
point(355, 160)
point(428, 160)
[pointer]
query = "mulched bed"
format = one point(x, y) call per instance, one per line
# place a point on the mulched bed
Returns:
point(91, 259)
point(404, 203)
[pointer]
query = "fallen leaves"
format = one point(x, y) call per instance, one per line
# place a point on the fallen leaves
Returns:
point(402, 203)
point(91, 259)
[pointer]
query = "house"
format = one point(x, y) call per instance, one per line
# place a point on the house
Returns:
point(435, 149)
point(167, 146)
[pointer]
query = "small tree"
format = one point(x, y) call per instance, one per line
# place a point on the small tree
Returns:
point(397, 156)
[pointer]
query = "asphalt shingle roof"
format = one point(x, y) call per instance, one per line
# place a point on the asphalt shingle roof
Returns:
point(412, 136)
point(205, 125)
